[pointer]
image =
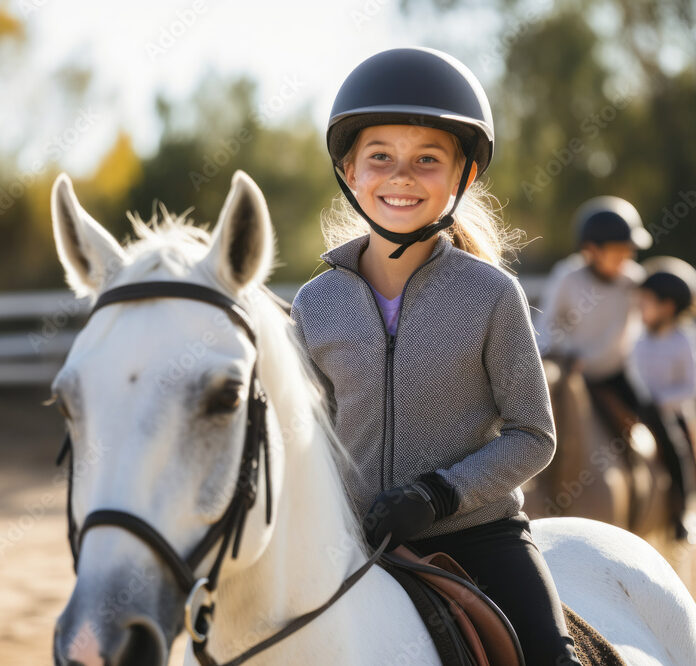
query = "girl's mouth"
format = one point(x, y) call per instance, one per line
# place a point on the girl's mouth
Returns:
point(399, 203)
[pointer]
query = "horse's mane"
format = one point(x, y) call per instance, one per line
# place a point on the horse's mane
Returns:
point(285, 354)
point(173, 241)
point(176, 244)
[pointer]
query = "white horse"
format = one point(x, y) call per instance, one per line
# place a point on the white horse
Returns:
point(154, 394)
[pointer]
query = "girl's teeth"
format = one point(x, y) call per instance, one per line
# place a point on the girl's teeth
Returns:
point(401, 202)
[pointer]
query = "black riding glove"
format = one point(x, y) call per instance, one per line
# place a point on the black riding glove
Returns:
point(407, 510)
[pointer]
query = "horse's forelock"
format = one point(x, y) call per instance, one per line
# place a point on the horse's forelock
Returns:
point(171, 242)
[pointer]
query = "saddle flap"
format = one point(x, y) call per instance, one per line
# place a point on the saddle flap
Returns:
point(493, 634)
point(440, 560)
point(468, 630)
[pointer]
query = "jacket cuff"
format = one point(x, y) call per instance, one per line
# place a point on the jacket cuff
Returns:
point(444, 496)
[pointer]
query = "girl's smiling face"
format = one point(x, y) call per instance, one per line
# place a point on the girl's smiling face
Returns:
point(403, 175)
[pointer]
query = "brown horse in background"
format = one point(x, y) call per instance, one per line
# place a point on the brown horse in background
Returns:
point(595, 474)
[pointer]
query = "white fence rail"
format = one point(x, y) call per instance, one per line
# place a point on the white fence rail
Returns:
point(38, 328)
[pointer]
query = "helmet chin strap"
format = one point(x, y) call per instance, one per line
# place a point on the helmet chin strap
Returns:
point(405, 240)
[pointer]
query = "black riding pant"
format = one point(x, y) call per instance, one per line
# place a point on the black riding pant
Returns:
point(507, 565)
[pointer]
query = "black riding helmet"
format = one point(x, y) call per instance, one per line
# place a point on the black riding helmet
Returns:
point(669, 287)
point(412, 86)
point(670, 278)
point(610, 219)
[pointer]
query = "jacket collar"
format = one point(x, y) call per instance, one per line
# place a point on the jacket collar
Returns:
point(348, 254)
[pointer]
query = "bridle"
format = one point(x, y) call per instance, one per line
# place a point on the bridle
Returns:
point(231, 524)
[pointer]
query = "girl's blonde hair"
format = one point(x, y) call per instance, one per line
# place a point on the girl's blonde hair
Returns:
point(478, 224)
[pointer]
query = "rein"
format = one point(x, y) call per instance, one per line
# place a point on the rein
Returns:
point(231, 525)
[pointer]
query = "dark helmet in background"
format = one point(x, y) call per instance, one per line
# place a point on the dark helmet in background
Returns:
point(609, 219)
point(670, 278)
point(412, 86)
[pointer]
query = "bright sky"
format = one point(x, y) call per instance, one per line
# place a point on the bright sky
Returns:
point(298, 51)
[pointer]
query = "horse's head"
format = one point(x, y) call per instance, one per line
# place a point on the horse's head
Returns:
point(155, 395)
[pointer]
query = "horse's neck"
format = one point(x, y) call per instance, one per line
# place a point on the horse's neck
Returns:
point(575, 411)
point(312, 550)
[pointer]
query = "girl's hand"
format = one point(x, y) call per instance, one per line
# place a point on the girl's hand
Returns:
point(404, 511)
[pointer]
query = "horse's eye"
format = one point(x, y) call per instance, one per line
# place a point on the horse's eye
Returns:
point(225, 399)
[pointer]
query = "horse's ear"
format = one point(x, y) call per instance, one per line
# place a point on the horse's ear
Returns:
point(243, 243)
point(89, 253)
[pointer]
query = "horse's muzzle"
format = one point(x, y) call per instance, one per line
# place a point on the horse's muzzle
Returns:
point(104, 626)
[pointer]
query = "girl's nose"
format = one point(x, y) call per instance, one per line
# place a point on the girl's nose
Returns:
point(402, 174)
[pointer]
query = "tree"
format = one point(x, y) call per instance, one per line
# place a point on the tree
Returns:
point(595, 98)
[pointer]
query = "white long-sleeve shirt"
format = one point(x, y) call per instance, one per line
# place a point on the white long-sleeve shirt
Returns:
point(595, 320)
point(664, 365)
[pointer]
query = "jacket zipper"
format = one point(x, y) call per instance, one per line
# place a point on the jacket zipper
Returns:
point(391, 342)
point(389, 372)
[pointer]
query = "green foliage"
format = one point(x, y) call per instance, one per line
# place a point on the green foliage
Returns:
point(597, 97)
point(203, 143)
point(590, 102)
point(575, 124)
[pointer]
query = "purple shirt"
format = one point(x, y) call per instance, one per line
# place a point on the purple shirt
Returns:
point(390, 310)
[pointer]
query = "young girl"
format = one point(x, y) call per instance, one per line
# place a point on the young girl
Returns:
point(424, 345)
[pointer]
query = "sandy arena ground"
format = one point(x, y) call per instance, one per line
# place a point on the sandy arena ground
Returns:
point(36, 574)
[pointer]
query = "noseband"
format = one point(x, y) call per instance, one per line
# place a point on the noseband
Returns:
point(232, 522)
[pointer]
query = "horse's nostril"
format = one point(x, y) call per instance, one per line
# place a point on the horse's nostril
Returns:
point(143, 647)
point(57, 659)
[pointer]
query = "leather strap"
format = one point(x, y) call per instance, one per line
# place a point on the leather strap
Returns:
point(233, 520)
point(302, 620)
point(141, 529)
point(136, 291)
point(405, 240)
point(397, 561)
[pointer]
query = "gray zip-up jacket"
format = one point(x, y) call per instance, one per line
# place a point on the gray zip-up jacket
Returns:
point(459, 389)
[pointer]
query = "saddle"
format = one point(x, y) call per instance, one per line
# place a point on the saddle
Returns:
point(466, 626)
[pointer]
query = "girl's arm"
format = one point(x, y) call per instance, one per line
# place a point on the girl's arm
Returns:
point(527, 439)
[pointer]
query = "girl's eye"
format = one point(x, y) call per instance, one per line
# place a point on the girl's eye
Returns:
point(382, 157)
